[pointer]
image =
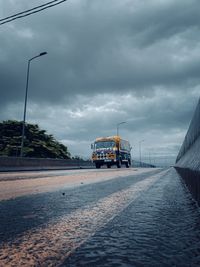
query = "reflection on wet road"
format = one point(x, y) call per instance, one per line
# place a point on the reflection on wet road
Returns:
point(145, 219)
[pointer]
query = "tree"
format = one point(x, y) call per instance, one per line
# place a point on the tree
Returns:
point(37, 142)
point(76, 157)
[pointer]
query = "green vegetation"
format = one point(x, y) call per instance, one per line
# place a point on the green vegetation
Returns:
point(37, 142)
point(76, 157)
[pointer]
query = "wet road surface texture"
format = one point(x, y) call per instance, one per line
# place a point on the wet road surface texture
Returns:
point(146, 219)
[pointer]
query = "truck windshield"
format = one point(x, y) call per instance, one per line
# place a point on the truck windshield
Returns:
point(104, 144)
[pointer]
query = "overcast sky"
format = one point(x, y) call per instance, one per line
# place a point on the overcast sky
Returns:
point(108, 61)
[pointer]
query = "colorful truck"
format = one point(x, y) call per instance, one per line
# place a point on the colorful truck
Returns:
point(112, 150)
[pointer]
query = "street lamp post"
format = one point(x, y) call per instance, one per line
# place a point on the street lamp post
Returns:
point(25, 101)
point(118, 126)
point(140, 152)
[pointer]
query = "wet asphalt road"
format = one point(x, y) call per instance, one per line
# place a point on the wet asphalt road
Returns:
point(145, 219)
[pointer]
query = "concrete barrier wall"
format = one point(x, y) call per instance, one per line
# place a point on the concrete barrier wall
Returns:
point(188, 159)
point(191, 158)
point(17, 163)
point(193, 134)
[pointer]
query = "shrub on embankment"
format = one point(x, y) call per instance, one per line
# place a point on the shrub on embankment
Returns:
point(37, 143)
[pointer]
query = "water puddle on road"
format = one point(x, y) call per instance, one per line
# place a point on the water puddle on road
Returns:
point(50, 246)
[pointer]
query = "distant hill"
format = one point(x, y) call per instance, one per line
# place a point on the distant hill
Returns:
point(37, 142)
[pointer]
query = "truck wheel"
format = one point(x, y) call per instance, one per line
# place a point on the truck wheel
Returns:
point(127, 164)
point(98, 166)
point(119, 164)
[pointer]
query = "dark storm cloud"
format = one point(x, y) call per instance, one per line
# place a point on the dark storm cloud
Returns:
point(158, 20)
point(97, 47)
point(108, 61)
